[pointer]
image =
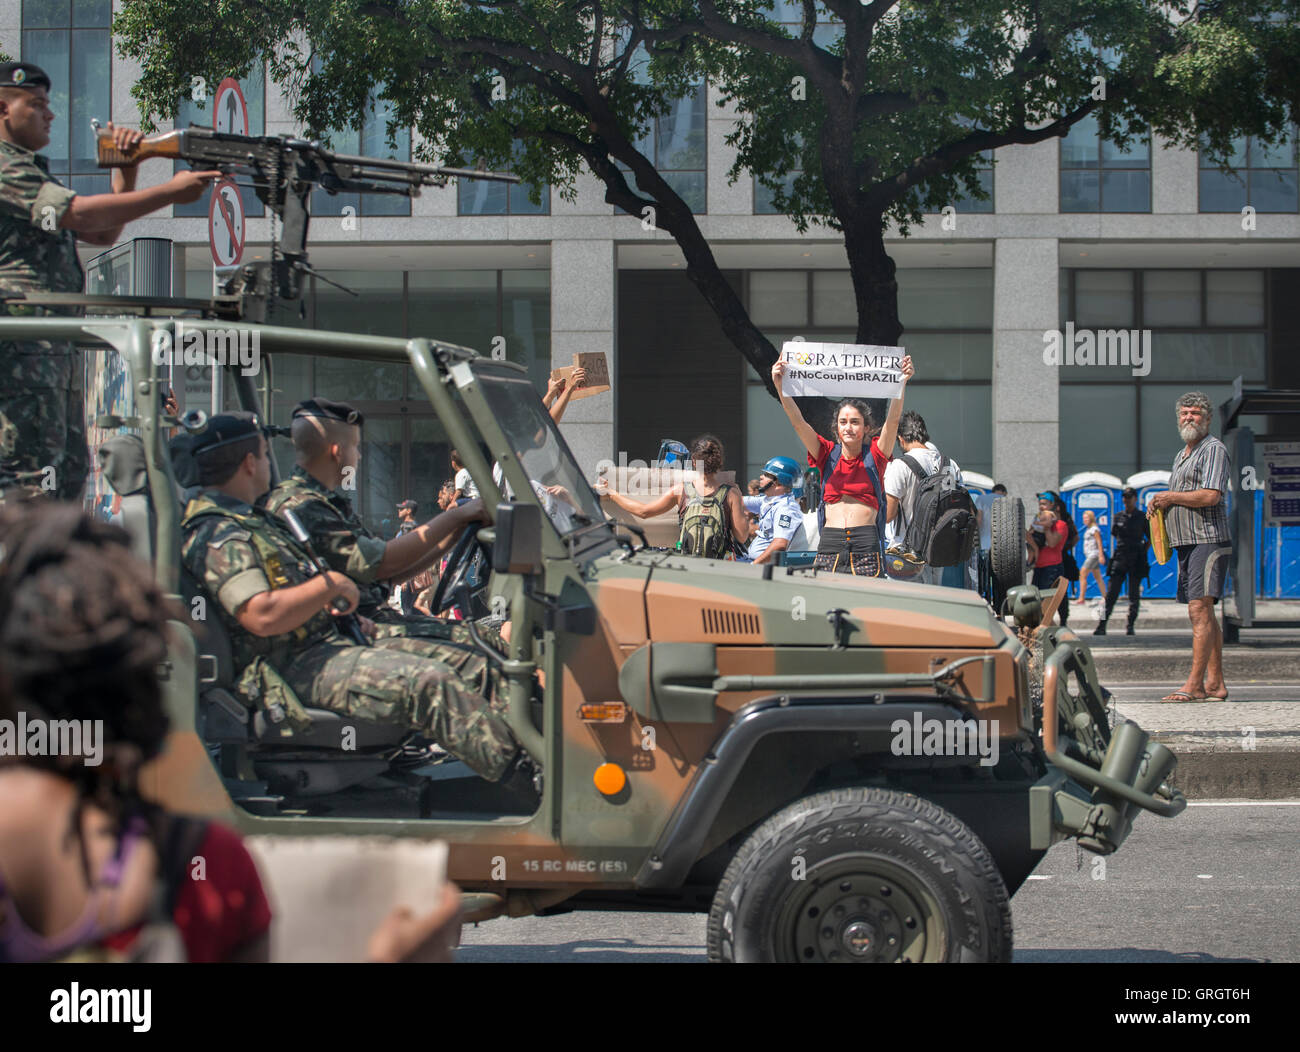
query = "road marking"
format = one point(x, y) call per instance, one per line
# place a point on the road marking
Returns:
point(1035, 877)
point(1244, 803)
point(1204, 876)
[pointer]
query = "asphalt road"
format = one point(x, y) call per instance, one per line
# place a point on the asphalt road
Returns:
point(1218, 883)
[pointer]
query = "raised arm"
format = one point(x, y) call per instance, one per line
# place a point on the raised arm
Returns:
point(889, 433)
point(643, 510)
point(801, 426)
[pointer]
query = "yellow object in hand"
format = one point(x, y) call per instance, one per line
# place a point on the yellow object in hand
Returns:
point(1160, 536)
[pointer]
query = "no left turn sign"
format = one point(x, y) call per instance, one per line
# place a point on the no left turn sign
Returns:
point(229, 110)
point(226, 224)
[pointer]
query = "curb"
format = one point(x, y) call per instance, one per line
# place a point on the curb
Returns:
point(1218, 772)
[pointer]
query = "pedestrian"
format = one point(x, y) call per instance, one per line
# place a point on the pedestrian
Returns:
point(710, 513)
point(780, 522)
point(1050, 536)
point(90, 870)
point(921, 458)
point(1197, 523)
point(1129, 561)
point(446, 495)
point(853, 493)
point(463, 486)
point(406, 516)
point(42, 420)
point(1093, 557)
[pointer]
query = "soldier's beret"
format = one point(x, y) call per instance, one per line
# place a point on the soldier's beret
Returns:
point(23, 75)
point(328, 410)
point(223, 430)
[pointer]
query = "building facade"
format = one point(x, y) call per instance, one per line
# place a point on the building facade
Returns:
point(1151, 248)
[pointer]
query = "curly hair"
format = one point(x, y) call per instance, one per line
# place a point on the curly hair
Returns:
point(707, 451)
point(82, 632)
point(870, 428)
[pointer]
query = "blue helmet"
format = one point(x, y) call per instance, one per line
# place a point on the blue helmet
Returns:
point(783, 469)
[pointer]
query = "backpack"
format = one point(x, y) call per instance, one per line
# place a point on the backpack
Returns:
point(706, 529)
point(868, 462)
point(942, 527)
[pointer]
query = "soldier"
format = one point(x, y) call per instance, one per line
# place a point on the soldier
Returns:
point(42, 430)
point(1129, 562)
point(327, 442)
point(283, 636)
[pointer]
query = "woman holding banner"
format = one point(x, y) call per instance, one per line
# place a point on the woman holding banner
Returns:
point(853, 492)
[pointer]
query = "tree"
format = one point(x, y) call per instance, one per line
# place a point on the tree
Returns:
point(885, 119)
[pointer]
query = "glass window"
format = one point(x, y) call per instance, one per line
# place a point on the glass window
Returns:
point(379, 475)
point(376, 307)
point(959, 419)
point(778, 297)
point(767, 433)
point(1103, 298)
point(1262, 176)
point(190, 111)
point(483, 197)
point(1098, 428)
point(1097, 176)
point(526, 321)
point(1160, 441)
point(455, 306)
point(676, 146)
point(984, 175)
point(369, 138)
point(1191, 357)
point(1171, 298)
point(1234, 297)
point(945, 297)
point(833, 302)
point(951, 357)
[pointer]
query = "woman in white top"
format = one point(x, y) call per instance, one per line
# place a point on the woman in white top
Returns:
point(1093, 557)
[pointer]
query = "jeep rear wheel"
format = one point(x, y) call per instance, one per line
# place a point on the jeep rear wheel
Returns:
point(858, 876)
point(1007, 544)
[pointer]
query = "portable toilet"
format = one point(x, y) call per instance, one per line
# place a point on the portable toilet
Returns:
point(1097, 492)
point(1163, 580)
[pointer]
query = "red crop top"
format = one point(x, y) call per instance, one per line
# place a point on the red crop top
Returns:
point(850, 478)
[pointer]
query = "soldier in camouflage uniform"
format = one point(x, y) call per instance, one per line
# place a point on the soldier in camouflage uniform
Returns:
point(286, 643)
point(42, 425)
point(327, 438)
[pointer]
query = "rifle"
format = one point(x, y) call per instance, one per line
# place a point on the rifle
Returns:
point(349, 624)
point(283, 171)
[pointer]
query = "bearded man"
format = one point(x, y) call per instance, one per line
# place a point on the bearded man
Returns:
point(1197, 523)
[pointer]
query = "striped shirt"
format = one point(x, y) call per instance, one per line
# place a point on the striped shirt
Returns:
point(1206, 467)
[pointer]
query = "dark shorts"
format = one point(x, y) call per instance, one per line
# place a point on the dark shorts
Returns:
point(1202, 570)
point(855, 551)
point(1045, 577)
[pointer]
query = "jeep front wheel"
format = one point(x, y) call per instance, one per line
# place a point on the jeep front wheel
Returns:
point(861, 875)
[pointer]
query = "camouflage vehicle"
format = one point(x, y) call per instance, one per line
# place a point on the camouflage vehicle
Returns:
point(834, 769)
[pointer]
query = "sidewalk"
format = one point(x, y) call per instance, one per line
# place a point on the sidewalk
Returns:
point(1245, 748)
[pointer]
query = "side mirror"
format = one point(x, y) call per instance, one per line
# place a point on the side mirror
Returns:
point(517, 547)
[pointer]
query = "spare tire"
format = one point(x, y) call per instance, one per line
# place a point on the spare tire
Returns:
point(1007, 543)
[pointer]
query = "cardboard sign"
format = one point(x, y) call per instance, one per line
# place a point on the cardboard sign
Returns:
point(841, 370)
point(597, 367)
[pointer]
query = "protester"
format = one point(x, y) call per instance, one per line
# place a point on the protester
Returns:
point(1197, 523)
point(780, 522)
point(1093, 557)
point(711, 513)
point(406, 517)
point(853, 495)
point(446, 495)
point(1132, 534)
point(1049, 551)
point(558, 393)
point(901, 483)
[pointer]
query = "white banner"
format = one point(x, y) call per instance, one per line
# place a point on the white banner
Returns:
point(841, 370)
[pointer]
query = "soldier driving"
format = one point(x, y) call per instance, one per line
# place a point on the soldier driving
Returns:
point(284, 639)
point(42, 430)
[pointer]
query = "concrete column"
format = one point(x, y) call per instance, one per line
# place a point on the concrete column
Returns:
point(1025, 389)
point(584, 298)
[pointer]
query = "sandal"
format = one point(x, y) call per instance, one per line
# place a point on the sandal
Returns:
point(1181, 695)
point(1217, 697)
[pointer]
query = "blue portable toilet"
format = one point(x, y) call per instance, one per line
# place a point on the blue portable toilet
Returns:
point(1163, 580)
point(1097, 492)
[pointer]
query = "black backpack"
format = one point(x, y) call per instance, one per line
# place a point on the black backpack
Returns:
point(942, 527)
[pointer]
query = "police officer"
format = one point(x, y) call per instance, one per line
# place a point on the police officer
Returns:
point(1132, 535)
point(780, 522)
point(327, 443)
point(42, 427)
point(284, 639)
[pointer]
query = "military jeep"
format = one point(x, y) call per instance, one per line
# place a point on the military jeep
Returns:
point(835, 769)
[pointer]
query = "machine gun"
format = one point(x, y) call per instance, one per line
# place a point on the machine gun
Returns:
point(283, 171)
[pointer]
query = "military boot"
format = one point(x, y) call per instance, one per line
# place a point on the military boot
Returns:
point(523, 779)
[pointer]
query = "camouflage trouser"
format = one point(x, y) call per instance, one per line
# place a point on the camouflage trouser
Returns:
point(400, 679)
point(42, 420)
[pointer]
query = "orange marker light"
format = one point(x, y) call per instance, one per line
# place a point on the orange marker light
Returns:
point(610, 779)
point(603, 712)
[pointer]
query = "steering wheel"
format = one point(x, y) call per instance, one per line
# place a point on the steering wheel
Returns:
point(453, 586)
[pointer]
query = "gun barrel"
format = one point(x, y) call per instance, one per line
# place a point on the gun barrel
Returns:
point(430, 170)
